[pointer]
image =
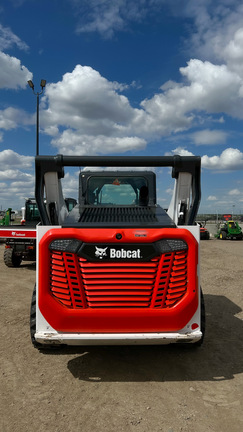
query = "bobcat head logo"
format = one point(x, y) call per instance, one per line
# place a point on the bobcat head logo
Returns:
point(100, 252)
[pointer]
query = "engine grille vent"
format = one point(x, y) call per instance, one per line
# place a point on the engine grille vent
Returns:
point(77, 283)
point(118, 214)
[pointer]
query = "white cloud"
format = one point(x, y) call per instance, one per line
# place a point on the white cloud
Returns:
point(8, 39)
point(212, 88)
point(16, 174)
point(209, 137)
point(211, 198)
point(10, 159)
point(11, 118)
point(71, 142)
point(17, 183)
point(85, 101)
point(86, 113)
point(181, 151)
point(108, 17)
point(91, 110)
point(214, 23)
point(230, 159)
point(95, 116)
point(209, 89)
point(235, 192)
point(12, 74)
point(233, 52)
point(84, 97)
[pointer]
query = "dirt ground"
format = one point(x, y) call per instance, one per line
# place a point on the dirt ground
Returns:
point(156, 388)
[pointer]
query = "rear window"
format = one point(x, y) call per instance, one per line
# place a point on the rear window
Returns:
point(117, 190)
point(32, 212)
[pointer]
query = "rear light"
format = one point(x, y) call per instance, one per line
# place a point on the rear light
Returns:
point(171, 245)
point(194, 326)
point(66, 245)
point(7, 247)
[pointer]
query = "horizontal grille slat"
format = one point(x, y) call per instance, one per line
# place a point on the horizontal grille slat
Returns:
point(112, 276)
point(121, 304)
point(115, 288)
point(134, 270)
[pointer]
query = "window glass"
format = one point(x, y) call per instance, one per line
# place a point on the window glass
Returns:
point(117, 191)
point(32, 212)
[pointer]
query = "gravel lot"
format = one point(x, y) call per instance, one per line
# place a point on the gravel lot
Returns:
point(157, 388)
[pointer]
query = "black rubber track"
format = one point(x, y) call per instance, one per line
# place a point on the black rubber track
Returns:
point(33, 327)
point(203, 321)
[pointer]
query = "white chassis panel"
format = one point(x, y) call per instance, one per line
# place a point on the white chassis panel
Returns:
point(117, 339)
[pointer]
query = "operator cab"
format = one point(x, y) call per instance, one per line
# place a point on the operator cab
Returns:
point(117, 188)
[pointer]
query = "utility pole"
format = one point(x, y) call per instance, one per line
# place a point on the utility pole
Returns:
point(42, 84)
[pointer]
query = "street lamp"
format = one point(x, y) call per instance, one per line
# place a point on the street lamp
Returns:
point(42, 84)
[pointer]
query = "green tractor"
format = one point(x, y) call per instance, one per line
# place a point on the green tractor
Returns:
point(230, 230)
point(6, 219)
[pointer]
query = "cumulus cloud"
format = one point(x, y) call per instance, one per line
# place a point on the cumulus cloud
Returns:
point(212, 26)
point(90, 106)
point(85, 96)
point(235, 192)
point(86, 113)
point(96, 117)
point(182, 151)
point(230, 159)
point(16, 175)
point(10, 118)
point(208, 89)
point(71, 142)
point(13, 74)
point(10, 159)
point(10, 174)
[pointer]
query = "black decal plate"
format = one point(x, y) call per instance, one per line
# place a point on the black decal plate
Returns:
point(121, 252)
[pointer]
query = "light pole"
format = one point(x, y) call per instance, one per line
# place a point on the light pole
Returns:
point(42, 84)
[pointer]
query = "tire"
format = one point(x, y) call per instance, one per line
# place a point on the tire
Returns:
point(33, 320)
point(223, 235)
point(35, 344)
point(203, 321)
point(11, 259)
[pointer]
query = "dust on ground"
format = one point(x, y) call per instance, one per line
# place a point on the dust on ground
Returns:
point(127, 388)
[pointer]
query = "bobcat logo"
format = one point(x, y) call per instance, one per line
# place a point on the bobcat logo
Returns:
point(100, 252)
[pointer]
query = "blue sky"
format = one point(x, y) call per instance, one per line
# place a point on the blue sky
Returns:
point(147, 77)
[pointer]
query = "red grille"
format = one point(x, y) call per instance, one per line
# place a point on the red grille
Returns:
point(78, 283)
point(65, 280)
